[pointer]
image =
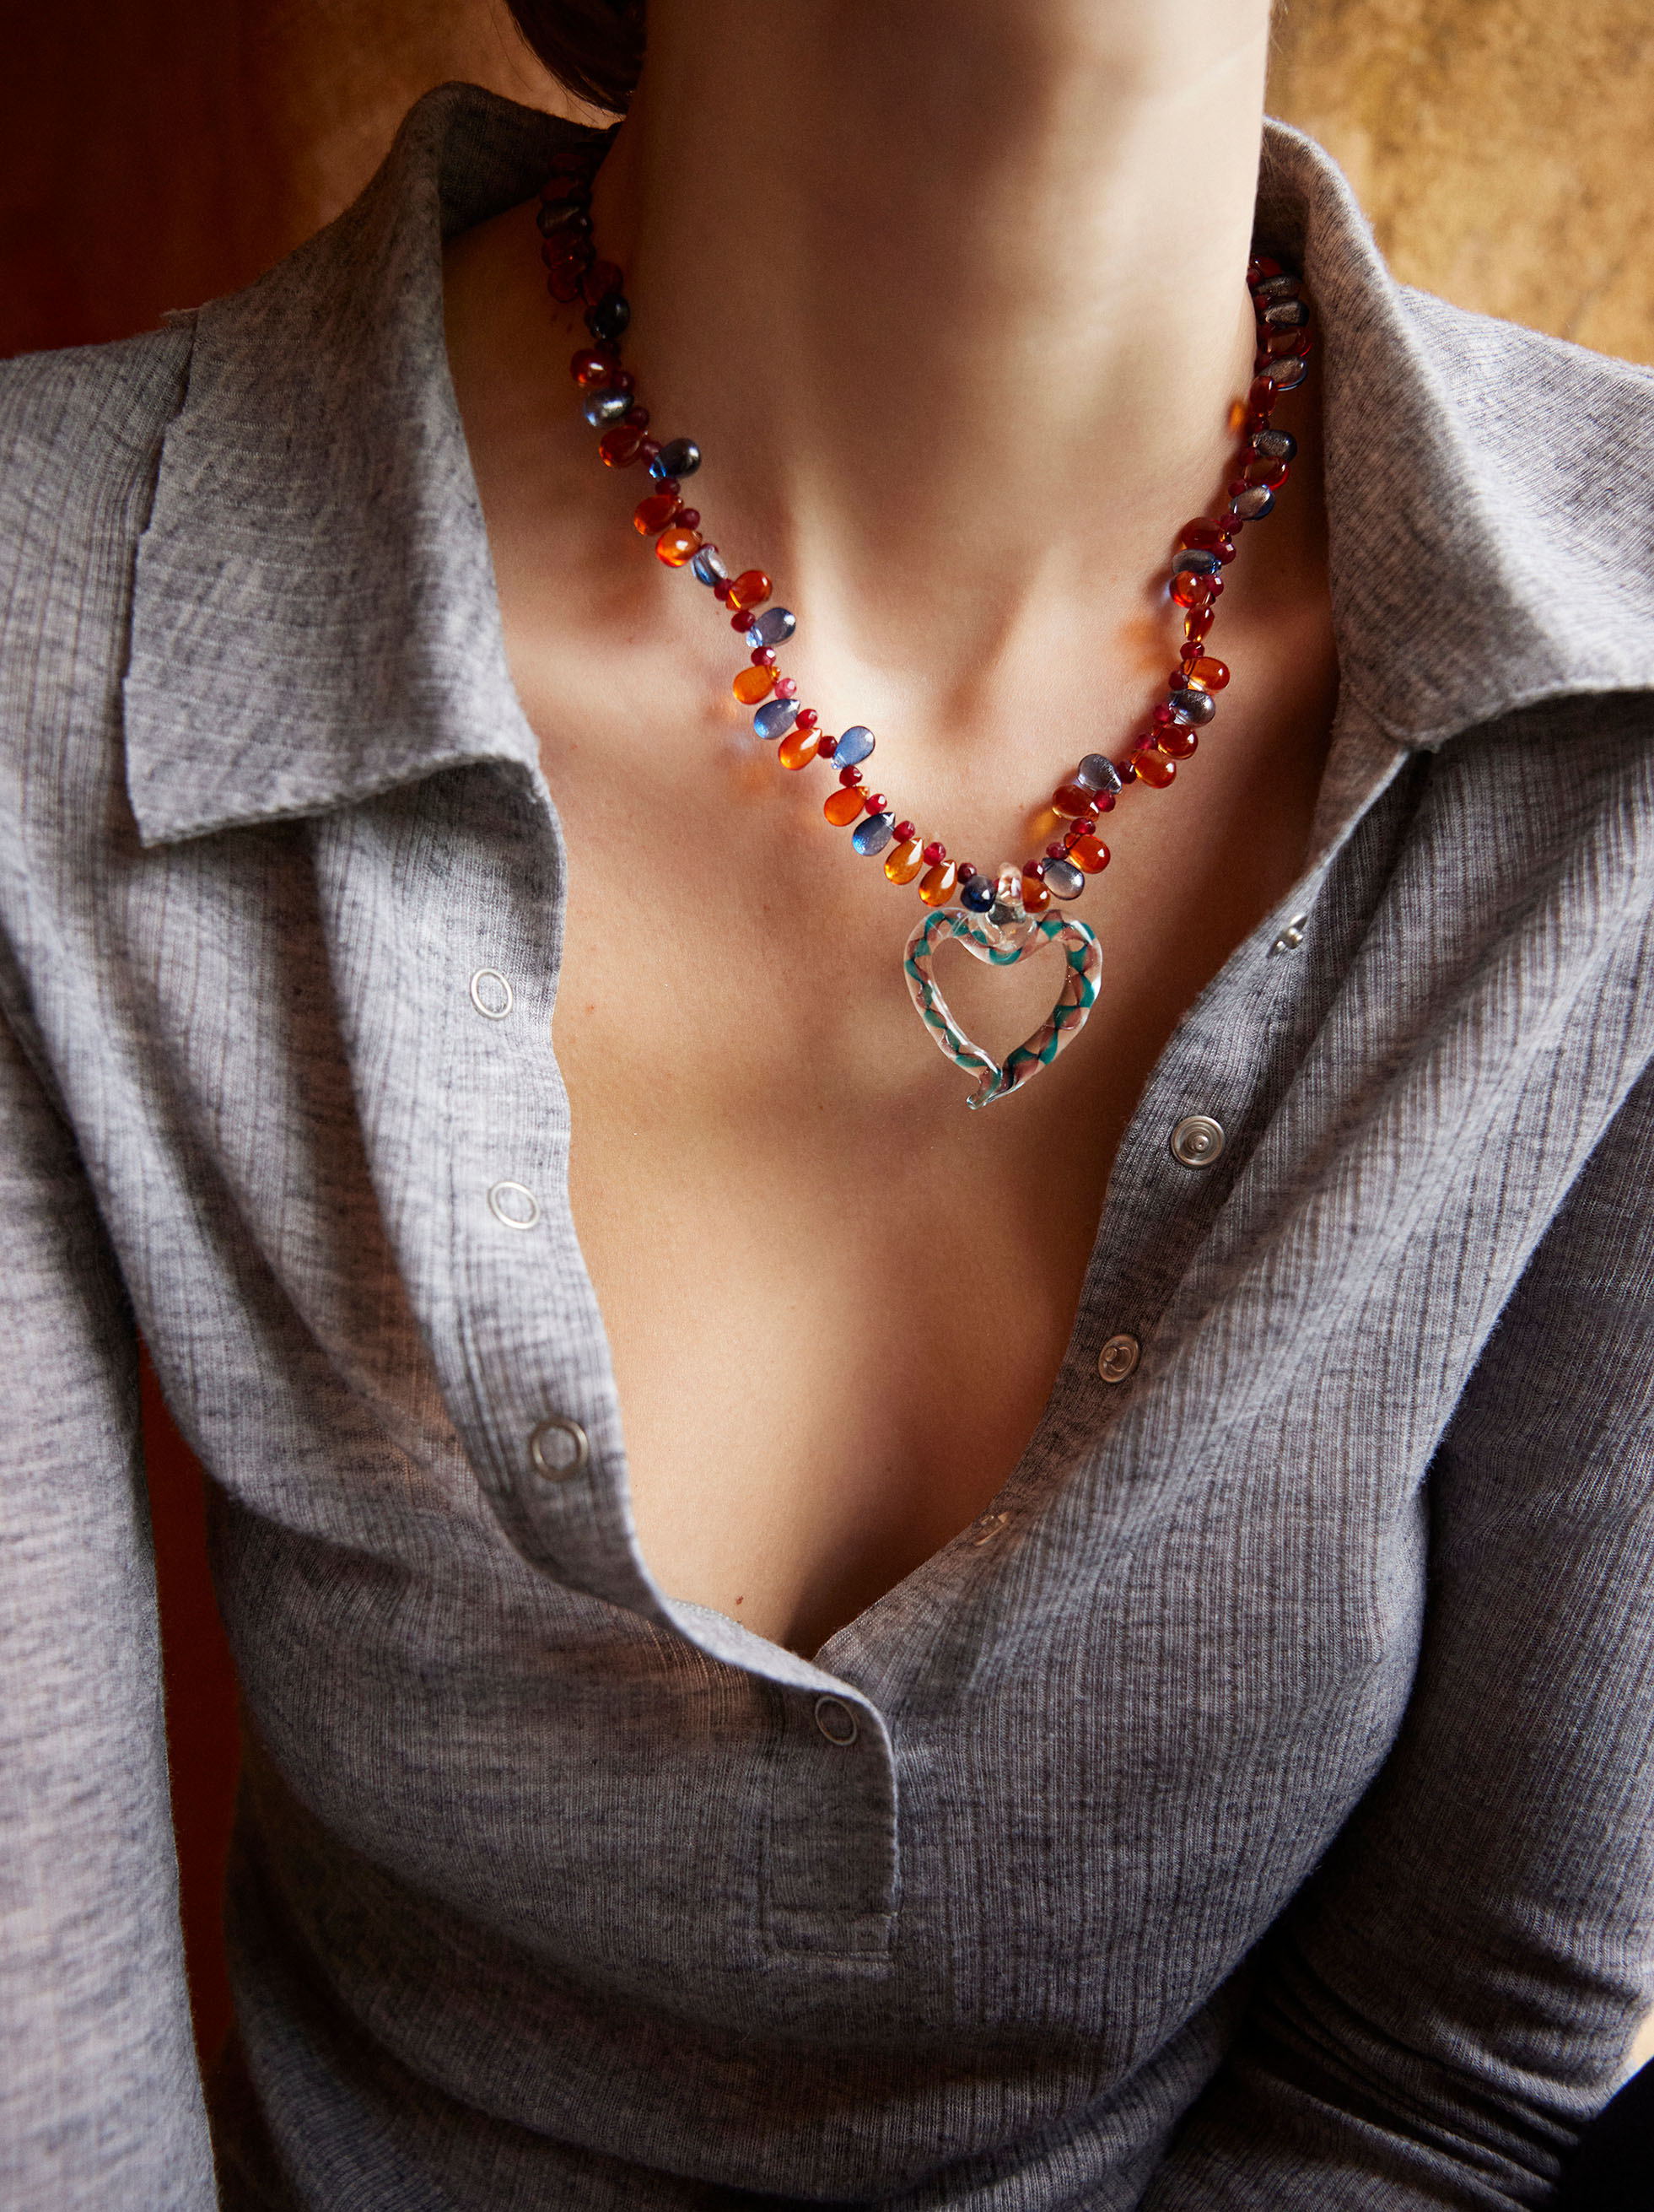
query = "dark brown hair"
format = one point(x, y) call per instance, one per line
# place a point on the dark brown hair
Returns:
point(593, 47)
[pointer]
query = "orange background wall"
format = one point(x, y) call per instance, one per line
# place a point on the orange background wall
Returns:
point(160, 151)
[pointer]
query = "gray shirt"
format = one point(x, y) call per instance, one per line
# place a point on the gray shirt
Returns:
point(1251, 1809)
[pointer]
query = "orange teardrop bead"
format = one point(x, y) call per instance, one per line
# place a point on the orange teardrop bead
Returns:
point(1035, 898)
point(799, 747)
point(844, 805)
point(1074, 801)
point(904, 861)
point(1090, 855)
point(677, 548)
point(936, 885)
point(1208, 674)
point(754, 684)
point(653, 514)
point(1154, 769)
point(750, 588)
point(1178, 745)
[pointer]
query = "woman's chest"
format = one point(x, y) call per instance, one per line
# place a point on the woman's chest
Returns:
point(836, 1300)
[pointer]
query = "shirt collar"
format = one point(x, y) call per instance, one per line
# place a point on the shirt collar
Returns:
point(314, 616)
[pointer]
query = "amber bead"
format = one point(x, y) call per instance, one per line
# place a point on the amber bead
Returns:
point(936, 886)
point(1211, 675)
point(1090, 853)
point(750, 589)
point(800, 745)
point(903, 861)
point(1178, 743)
point(1191, 590)
point(1035, 898)
point(590, 369)
point(1153, 768)
point(619, 448)
point(600, 280)
point(653, 514)
point(1074, 801)
point(1261, 395)
point(842, 806)
point(1197, 621)
point(1270, 474)
point(677, 547)
point(754, 684)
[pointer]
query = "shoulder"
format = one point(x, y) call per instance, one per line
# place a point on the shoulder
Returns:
point(1562, 438)
point(80, 433)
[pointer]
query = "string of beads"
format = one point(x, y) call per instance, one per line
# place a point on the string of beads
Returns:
point(1204, 549)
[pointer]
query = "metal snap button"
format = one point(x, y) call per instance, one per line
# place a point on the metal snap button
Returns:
point(558, 1449)
point(1290, 937)
point(836, 1721)
point(1196, 1140)
point(1117, 1358)
point(491, 994)
point(513, 1205)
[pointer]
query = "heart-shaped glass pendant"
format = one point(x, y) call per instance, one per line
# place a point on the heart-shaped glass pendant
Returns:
point(1001, 937)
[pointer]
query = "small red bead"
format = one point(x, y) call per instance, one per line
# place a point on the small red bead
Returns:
point(648, 447)
point(847, 776)
point(874, 802)
point(721, 590)
point(1036, 869)
point(621, 379)
point(689, 518)
point(1162, 714)
point(784, 687)
point(638, 418)
point(1261, 266)
point(965, 872)
point(934, 855)
point(808, 718)
point(763, 656)
point(601, 279)
point(828, 746)
point(1105, 805)
point(590, 369)
point(903, 831)
point(741, 622)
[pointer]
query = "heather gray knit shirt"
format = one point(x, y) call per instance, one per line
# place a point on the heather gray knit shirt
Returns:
point(1251, 1810)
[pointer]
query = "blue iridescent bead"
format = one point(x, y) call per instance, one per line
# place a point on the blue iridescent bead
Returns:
point(1275, 445)
point(977, 893)
point(707, 567)
point(873, 835)
point(1063, 880)
point(603, 408)
point(773, 627)
point(854, 747)
point(1196, 561)
point(1193, 705)
point(1096, 771)
point(775, 718)
point(1252, 504)
point(680, 459)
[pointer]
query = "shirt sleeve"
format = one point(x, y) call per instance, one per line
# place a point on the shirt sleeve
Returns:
point(101, 2104)
point(1452, 1998)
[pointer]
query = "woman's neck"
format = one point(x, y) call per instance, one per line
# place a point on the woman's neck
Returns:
point(952, 299)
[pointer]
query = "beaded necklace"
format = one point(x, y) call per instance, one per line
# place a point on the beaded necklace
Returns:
point(1001, 918)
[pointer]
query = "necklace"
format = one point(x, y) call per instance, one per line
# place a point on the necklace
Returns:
point(1001, 917)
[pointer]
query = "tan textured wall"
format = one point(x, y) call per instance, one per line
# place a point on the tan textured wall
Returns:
point(1502, 149)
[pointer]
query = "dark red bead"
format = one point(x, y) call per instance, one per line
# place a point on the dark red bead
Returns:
point(1261, 266)
point(1162, 715)
point(934, 855)
point(601, 279)
point(1036, 869)
point(849, 777)
point(639, 418)
point(689, 517)
point(721, 592)
point(648, 447)
point(965, 872)
point(621, 379)
point(743, 623)
point(808, 718)
point(828, 746)
point(874, 802)
point(903, 831)
point(763, 656)
point(785, 688)
point(1055, 851)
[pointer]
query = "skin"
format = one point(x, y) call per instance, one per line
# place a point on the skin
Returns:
point(959, 323)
